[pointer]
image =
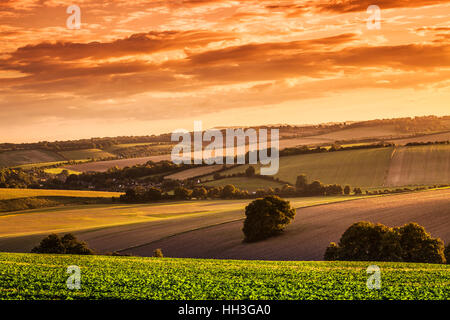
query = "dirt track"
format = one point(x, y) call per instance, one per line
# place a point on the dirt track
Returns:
point(305, 239)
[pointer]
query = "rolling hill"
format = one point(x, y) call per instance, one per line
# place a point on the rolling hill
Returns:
point(365, 168)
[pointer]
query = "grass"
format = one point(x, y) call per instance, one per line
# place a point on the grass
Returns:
point(7, 193)
point(32, 276)
point(86, 154)
point(245, 183)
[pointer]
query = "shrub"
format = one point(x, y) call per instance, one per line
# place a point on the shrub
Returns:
point(68, 244)
point(182, 193)
point(365, 241)
point(347, 190)
point(250, 171)
point(331, 253)
point(266, 217)
point(158, 253)
point(228, 191)
point(447, 253)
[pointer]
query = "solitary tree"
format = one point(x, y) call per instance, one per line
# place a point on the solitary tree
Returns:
point(266, 217)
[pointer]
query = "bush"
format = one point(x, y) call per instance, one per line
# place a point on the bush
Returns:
point(347, 190)
point(266, 217)
point(68, 244)
point(250, 171)
point(447, 253)
point(158, 253)
point(365, 241)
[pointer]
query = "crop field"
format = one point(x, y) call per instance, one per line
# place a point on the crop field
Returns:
point(361, 168)
point(32, 276)
point(6, 193)
point(154, 146)
point(60, 170)
point(116, 227)
point(102, 166)
point(245, 183)
point(194, 172)
point(361, 133)
point(443, 136)
point(21, 157)
point(86, 154)
point(420, 165)
point(305, 238)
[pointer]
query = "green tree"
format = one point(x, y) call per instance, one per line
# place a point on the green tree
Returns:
point(228, 191)
point(419, 246)
point(68, 244)
point(266, 217)
point(365, 241)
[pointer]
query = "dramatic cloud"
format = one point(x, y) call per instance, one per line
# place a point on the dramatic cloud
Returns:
point(170, 61)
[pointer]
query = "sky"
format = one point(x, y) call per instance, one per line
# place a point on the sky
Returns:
point(149, 67)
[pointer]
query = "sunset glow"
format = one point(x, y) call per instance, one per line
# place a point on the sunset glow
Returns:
point(147, 67)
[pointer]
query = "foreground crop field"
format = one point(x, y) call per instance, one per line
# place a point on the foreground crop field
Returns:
point(30, 276)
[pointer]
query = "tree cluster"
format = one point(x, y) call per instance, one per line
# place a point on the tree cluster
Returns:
point(366, 241)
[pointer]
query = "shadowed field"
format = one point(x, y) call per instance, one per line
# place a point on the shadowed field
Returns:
point(312, 230)
point(115, 227)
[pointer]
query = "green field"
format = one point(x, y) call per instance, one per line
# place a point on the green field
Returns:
point(245, 183)
point(31, 276)
point(86, 154)
point(362, 168)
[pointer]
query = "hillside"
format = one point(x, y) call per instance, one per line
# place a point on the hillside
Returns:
point(30, 276)
point(365, 168)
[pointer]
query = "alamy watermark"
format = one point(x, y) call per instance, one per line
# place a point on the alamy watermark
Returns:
point(74, 280)
point(374, 280)
point(232, 147)
point(374, 20)
point(74, 20)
